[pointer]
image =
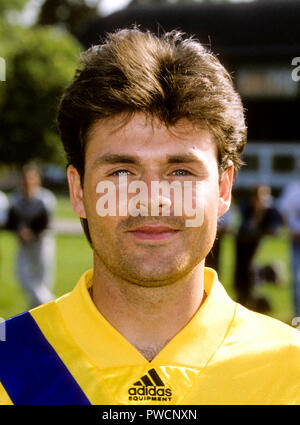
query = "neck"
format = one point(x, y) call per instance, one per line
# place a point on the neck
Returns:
point(148, 317)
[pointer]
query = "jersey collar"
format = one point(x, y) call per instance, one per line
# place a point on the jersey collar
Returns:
point(193, 346)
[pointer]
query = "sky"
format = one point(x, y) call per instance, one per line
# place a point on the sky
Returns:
point(109, 6)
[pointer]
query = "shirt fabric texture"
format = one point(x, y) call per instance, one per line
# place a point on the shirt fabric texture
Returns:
point(66, 352)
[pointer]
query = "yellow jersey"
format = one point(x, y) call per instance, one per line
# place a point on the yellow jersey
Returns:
point(66, 352)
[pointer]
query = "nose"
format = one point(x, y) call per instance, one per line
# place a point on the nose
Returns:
point(154, 198)
point(156, 204)
point(158, 200)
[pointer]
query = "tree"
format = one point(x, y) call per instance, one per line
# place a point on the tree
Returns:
point(7, 5)
point(69, 14)
point(40, 61)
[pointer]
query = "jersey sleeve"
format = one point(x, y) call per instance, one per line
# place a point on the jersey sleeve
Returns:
point(4, 397)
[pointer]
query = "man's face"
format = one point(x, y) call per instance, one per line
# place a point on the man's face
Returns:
point(151, 250)
point(30, 181)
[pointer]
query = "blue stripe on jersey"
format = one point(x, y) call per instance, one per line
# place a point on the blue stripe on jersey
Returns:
point(30, 369)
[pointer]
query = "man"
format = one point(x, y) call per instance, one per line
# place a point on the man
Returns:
point(289, 206)
point(4, 204)
point(149, 324)
point(30, 217)
point(259, 218)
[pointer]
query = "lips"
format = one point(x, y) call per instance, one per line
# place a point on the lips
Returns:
point(153, 232)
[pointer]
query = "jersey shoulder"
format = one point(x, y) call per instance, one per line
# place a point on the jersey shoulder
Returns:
point(31, 371)
point(259, 330)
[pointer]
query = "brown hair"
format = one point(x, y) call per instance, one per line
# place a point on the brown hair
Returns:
point(169, 76)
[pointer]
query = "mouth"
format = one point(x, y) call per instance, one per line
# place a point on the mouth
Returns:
point(153, 232)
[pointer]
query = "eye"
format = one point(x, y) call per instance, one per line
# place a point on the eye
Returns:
point(121, 172)
point(181, 172)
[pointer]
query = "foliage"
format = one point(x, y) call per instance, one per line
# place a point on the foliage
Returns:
point(71, 15)
point(40, 61)
point(7, 5)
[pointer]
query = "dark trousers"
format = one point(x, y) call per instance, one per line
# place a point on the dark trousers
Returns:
point(245, 249)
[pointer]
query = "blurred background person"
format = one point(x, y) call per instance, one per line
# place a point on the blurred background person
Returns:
point(289, 206)
point(259, 218)
point(30, 216)
point(3, 209)
point(3, 213)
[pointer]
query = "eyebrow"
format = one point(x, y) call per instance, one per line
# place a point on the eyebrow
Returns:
point(131, 159)
point(116, 159)
point(183, 158)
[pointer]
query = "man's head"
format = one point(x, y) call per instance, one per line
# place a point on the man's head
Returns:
point(261, 196)
point(30, 179)
point(170, 77)
point(152, 99)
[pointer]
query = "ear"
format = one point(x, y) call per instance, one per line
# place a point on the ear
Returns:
point(225, 187)
point(76, 191)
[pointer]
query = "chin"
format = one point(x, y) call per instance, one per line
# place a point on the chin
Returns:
point(155, 276)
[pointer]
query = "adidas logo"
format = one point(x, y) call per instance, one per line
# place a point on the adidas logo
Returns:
point(150, 388)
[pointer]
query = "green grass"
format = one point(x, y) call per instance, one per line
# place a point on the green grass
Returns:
point(74, 256)
point(271, 249)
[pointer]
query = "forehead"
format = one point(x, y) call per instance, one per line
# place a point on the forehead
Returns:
point(146, 136)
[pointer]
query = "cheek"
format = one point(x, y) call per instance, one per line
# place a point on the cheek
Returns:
point(103, 232)
point(102, 210)
point(200, 203)
point(98, 197)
